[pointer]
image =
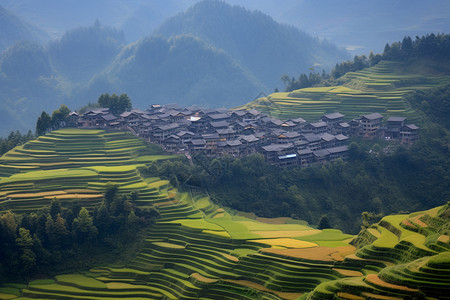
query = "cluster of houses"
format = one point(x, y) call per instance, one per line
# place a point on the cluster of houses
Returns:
point(239, 133)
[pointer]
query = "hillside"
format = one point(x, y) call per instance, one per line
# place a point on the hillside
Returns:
point(85, 51)
point(195, 245)
point(405, 256)
point(382, 88)
point(182, 69)
point(264, 47)
point(198, 249)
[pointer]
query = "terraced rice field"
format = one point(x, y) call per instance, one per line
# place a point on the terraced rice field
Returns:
point(405, 261)
point(380, 88)
point(196, 249)
point(72, 165)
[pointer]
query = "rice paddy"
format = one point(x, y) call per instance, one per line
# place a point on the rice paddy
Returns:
point(196, 249)
point(381, 89)
point(400, 263)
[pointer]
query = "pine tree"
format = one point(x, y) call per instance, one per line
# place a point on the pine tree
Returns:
point(82, 226)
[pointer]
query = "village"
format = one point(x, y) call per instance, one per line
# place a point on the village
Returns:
point(237, 133)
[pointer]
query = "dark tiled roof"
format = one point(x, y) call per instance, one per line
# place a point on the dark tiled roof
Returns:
point(396, 119)
point(327, 137)
point(321, 153)
point(311, 137)
point(412, 126)
point(249, 138)
point(276, 147)
point(108, 117)
point(210, 136)
point(219, 124)
point(298, 120)
point(318, 124)
point(304, 151)
point(372, 116)
point(341, 137)
point(333, 116)
point(337, 149)
point(169, 126)
point(198, 142)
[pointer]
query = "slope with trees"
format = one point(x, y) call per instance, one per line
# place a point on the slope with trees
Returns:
point(262, 46)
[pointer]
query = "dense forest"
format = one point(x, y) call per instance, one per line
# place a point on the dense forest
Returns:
point(56, 238)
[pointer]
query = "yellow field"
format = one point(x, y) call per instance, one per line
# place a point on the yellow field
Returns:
point(285, 233)
point(286, 242)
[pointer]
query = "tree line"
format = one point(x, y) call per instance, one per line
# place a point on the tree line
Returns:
point(58, 236)
point(15, 138)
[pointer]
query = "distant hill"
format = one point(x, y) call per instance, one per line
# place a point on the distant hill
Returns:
point(261, 45)
point(27, 85)
point(13, 29)
point(182, 69)
point(85, 51)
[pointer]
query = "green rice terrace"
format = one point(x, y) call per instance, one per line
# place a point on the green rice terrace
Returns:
point(198, 250)
point(380, 88)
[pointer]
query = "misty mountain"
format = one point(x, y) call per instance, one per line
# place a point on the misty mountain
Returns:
point(266, 48)
point(182, 69)
point(13, 29)
point(85, 51)
point(27, 85)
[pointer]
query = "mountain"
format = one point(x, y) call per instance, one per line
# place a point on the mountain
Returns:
point(85, 51)
point(27, 85)
point(13, 29)
point(261, 45)
point(182, 69)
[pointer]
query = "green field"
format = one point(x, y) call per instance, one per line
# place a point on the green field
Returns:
point(381, 89)
point(196, 249)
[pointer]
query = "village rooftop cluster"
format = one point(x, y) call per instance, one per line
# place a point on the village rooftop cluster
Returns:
point(238, 133)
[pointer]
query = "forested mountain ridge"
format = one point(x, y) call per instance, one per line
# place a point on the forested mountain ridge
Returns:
point(193, 71)
point(266, 48)
point(85, 51)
